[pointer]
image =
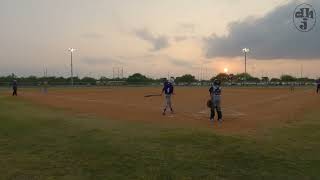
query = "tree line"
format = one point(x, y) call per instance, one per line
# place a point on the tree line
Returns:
point(140, 78)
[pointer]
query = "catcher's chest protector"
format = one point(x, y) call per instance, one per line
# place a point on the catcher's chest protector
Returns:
point(216, 90)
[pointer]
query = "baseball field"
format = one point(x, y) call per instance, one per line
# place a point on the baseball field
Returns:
point(117, 133)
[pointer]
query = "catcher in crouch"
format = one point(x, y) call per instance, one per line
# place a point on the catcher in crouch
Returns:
point(168, 91)
point(215, 93)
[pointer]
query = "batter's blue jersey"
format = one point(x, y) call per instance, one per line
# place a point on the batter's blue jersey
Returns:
point(168, 88)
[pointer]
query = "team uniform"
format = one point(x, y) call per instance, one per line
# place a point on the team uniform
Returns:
point(15, 88)
point(292, 87)
point(215, 93)
point(318, 85)
point(168, 90)
point(45, 87)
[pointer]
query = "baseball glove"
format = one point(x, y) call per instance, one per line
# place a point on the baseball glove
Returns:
point(209, 103)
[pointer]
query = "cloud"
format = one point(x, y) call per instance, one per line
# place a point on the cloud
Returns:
point(158, 42)
point(185, 32)
point(157, 59)
point(92, 35)
point(273, 36)
point(180, 38)
point(180, 62)
point(187, 27)
point(100, 61)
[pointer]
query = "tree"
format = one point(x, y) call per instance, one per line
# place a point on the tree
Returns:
point(223, 77)
point(275, 80)
point(160, 80)
point(287, 78)
point(246, 77)
point(187, 78)
point(305, 79)
point(8, 78)
point(29, 79)
point(75, 79)
point(254, 79)
point(138, 78)
point(103, 78)
point(265, 79)
point(89, 80)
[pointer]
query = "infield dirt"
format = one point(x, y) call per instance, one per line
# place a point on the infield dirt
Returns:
point(244, 109)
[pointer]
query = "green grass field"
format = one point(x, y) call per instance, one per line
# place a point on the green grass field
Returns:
point(42, 143)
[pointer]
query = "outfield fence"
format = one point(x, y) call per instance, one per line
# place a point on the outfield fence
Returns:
point(138, 84)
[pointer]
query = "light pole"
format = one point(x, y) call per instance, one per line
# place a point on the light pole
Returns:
point(71, 51)
point(245, 51)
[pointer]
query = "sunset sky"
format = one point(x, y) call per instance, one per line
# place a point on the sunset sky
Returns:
point(156, 37)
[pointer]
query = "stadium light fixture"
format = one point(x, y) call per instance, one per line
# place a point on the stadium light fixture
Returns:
point(245, 51)
point(71, 50)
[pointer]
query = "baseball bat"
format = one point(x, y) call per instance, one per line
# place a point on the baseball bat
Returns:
point(152, 95)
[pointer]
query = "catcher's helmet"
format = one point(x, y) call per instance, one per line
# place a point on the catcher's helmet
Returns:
point(217, 82)
point(171, 80)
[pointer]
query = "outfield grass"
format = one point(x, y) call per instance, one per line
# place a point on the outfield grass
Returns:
point(43, 143)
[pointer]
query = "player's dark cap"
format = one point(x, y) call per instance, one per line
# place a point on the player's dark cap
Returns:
point(217, 82)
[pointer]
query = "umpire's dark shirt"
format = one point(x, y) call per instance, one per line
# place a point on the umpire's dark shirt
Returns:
point(14, 85)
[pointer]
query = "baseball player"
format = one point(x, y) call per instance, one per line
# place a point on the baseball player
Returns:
point(15, 88)
point(168, 90)
point(45, 87)
point(215, 93)
point(291, 87)
point(318, 85)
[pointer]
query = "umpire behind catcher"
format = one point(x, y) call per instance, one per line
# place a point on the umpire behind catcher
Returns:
point(15, 88)
point(215, 93)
